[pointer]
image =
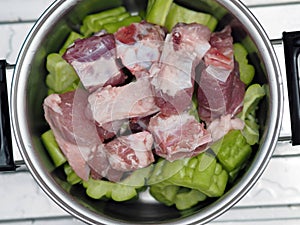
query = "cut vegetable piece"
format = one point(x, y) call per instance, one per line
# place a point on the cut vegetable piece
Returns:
point(186, 198)
point(183, 198)
point(219, 182)
point(98, 188)
point(164, 169)
point(210, 6)
point(206, 176)
point(62, 77)
point(164, 192)
point(71, 38)
point(253, 95)
point(179, 14)
point(138, 177)
point(247, 70)
point(201, 173)
point(99, 24)
point(233, 150)
point(53, 149)
point(91, 23)
point(196, 174)
point(113, 27)
point(72, 177)
point(123, 191)
point(251, 130)
point(157, 11)
point(123, 16)
point(199, 177)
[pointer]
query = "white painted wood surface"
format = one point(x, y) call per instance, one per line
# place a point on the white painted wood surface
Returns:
point(275, 199)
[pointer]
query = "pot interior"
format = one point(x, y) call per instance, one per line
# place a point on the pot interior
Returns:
point(29, 91)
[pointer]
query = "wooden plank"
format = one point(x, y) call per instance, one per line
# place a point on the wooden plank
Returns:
point(11, 42)
point(274, 20)
point(288, 215)
point(278, 18)
point(268, 2)
point(22, 198)
point(279, 184)
point(28, 10)
point(45, 221)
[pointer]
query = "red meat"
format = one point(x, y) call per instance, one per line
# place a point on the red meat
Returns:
point(178, 136)
point(94, 60)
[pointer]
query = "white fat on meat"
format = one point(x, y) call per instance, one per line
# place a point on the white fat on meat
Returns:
point(221, 126)
point(117, 103)
point(178, 136)
point(128, 153)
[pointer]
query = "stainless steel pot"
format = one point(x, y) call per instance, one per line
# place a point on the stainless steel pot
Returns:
point(29, 91)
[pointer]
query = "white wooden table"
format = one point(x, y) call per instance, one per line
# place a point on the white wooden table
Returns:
point(275, 199)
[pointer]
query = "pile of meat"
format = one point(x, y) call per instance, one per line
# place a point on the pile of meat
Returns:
point(137, 97)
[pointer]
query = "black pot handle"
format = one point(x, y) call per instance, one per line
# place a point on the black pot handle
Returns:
point(291, 42)
point(6, 154)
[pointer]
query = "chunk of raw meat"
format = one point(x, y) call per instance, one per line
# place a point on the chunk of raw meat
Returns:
point(75, 134)
point(220, 91)
point(100, 166)
point(128, 153)
point(139, 46)
point(94, 60)
point(178, 136)
point(117, 103)
point(173, 76)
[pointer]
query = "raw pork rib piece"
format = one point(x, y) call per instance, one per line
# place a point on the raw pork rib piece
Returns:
point(128, 153)
point(94, 60)
point(139, 46)
point(178, 136)
point(74, 133)
point(117, 103)
point(173, 76)
point(220, 89)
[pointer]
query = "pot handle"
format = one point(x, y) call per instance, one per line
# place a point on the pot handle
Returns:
point(6, 154)
point(291, 42)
